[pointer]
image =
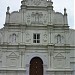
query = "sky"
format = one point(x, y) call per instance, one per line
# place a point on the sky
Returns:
point(59, 6)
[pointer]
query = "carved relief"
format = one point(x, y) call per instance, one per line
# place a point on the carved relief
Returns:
point(12, 59)
point(45, 18)
point(45, 37)
point(37, 17)
point(36, 2)
point(59, 60)
point(28, 37)
point(12, 62)
point(28, 19)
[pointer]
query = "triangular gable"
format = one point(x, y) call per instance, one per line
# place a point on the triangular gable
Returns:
point(59, 55)
point(13, 55)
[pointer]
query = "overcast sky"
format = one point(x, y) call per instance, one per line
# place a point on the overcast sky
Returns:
point(59, 6)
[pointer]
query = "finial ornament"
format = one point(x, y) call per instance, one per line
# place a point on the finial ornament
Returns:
point(49, 0)
point(65, 13)
point(8, 8)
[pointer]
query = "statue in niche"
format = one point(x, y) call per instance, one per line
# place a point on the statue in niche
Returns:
point(58, 38)
point(12, 38)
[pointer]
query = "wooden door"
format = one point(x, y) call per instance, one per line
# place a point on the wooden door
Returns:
point(36, 66)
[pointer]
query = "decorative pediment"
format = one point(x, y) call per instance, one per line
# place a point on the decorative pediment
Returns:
point(13, 55)
point(59, 56)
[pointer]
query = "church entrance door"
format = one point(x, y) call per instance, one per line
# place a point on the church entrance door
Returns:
point(36, 66)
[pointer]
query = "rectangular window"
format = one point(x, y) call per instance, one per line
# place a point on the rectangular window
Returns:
point(36, 38)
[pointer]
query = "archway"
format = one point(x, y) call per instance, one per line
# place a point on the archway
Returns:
point(36, 66)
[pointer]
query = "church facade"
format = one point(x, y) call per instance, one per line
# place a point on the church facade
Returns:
point(36, 40)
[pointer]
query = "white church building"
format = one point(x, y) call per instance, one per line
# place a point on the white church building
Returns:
point(36, 40)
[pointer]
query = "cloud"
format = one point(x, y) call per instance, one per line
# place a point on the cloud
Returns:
point(69, 5)
point(74, 14)
point(58, 6)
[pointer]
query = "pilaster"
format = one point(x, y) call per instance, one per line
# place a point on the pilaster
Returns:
point(22, 55)
point(50, 56)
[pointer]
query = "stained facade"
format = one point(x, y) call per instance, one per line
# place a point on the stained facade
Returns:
point(36, 40)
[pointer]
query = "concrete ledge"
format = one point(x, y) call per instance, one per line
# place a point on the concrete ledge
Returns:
point(12, 69)
point(60, 70)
